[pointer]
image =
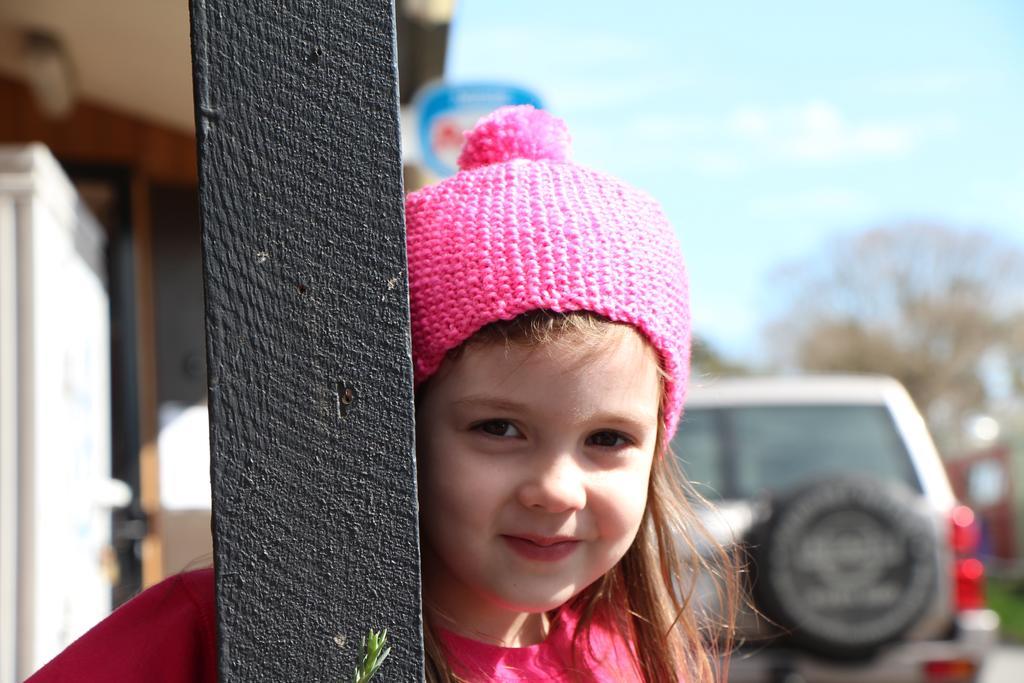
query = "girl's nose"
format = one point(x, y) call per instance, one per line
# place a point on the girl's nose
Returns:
point(557, 485)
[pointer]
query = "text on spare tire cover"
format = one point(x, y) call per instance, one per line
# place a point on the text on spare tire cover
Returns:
point(851, 564)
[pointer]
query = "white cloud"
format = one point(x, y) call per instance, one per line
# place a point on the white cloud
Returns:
point(665, 128)
point(936, 83)
point(825, 200)
point(717, 165)
point(572, 95)
point(819, 132)
point(642, 142)
point(814, 133)
point(749, 122)
point(526, 49)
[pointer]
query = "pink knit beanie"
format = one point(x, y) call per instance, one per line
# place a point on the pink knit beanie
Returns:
point(521, 227)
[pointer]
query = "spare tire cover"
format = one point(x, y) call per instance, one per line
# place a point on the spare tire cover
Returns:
point(845, 565)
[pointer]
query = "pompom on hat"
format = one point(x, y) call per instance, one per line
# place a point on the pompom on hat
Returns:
point(520, 228)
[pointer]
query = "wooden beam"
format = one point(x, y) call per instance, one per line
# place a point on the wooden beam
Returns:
point(309, 363)
point(145, 331)
point(94, 134)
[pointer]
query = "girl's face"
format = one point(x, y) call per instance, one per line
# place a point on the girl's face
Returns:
point(534, 466)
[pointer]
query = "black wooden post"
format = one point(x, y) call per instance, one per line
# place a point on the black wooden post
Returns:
point(310, 377)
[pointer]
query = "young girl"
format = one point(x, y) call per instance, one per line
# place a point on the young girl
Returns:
point(551, 335)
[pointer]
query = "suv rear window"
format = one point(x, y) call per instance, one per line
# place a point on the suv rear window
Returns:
point(743, 452)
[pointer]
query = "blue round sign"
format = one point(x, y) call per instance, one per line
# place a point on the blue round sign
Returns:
point(446, 111)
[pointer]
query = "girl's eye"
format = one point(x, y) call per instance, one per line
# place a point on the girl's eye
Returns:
point(608, 439)
point(498, 428)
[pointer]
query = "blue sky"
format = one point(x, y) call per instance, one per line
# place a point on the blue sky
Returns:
point(764, 127)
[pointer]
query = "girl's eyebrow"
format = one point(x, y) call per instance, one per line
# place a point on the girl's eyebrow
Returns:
point(495, 402)
point(625, 419)
point(630, 421)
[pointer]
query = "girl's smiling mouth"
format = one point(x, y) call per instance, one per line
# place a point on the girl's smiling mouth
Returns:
point(540, 548)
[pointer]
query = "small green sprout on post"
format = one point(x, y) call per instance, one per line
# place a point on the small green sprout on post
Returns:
point(374, 654)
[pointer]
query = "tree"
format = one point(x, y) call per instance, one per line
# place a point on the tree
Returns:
point(707, 361)
point(938, 308)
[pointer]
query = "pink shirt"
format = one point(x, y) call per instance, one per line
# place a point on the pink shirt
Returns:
point(166, 635)
point(609, 658)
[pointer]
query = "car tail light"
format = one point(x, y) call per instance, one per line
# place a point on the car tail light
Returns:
point(950, 670)
point(970, 584)
point(969, 571)
point(964, 527)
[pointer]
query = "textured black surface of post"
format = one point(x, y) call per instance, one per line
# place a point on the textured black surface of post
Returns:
point(310, 374)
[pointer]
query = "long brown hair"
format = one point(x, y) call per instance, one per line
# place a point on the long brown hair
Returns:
point(651, 596)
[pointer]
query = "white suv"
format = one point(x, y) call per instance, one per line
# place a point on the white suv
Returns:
point(861, 561)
